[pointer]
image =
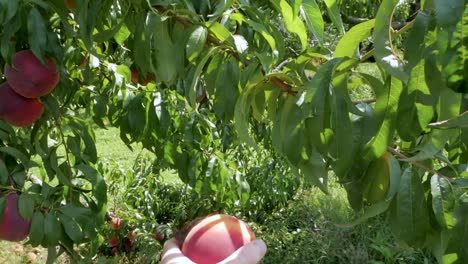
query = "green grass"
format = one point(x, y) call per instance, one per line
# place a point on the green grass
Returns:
point(307, 232)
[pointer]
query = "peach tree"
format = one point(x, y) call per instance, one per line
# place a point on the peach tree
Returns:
point(208, 85)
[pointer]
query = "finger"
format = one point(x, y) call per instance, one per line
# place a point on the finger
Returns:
point(250, 253)
point(172, 254)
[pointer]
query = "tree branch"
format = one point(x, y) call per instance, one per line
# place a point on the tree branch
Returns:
point(415, 163)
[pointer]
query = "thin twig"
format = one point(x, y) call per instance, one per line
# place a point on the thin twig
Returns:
point(365, 101)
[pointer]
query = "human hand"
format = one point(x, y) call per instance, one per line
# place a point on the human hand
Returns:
point(250, 253)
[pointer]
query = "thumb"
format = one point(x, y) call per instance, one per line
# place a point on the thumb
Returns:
point(250, 253)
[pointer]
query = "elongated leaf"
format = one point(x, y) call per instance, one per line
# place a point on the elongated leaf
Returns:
point(286, 132)
point(52, 230)
point(293, 23)
point(192, 94)
point(379, 208)
point(37, 33)
point(410, 218)
point(449, 106)
point(349, 43)
point(316, 106)
point(385, 54)
point(25, 161)
point(72, 229)
point(165, 49)
point(36, 233)
point(341, 147)
point(196, 42)
point(449, 13)
point(443, 201)
point(26, 206)
point(416, 105)
point(312, 15)
point(315, 171)
point(414, 45)
point(241, 117)
point(7, 10)
point(378, 145)
point(334, 13)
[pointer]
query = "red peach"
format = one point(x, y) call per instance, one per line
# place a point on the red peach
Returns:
point(29, 77)
point(215, 238)
point(18, 110)
point(114, 241)
point(115, 223)
point(13, 226)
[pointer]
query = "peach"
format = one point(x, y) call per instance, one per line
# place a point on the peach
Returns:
point(13, 226)
point(115, 223)
point(215, 238)
point(18, 110)
point(114, 241)
point(29, 77)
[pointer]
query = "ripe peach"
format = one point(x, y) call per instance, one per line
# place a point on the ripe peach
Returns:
point(115, 223)
point(114, 241)
point(215, 238)
point(18, 110)
point(29, 77)
point(13, 226)
point(158, 235)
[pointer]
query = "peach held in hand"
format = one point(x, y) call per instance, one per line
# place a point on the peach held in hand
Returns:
point(215, 238)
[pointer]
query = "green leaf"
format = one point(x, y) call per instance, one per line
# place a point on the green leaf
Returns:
point(26, 206)
point(166, 53)
point(416, 106)
point(107, 34)
point(52, 230)
point(287, 133)
point(449, 106)
point(349, 43)
point(293, 23)
point(4, 174)
point(449, 13)
point(414, 44)
point(315, 170)
point(36, 233)
point(219, 31)
point(37, 33)
point(72, 229)
point(25, 161)
point(312, 15)
point(341, 147)
point(379, 208)
point(334, 13)
point(409, 215)
point(260, 28)
point(192, 94)
point(317, 106)
point(241, 117)
point(122, 35)
point(196, 42)
point(443, 201)
point(385, 54)
point(8, 9)
point(387, 102)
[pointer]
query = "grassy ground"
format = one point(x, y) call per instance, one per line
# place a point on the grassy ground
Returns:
point(303, 232)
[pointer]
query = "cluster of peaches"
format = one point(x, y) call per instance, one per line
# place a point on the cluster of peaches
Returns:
point(27, 80)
